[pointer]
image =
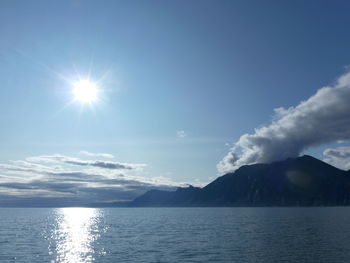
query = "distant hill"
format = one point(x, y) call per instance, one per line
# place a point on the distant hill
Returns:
point(302, 181)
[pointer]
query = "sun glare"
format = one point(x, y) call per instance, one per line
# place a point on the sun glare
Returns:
point(85, 91)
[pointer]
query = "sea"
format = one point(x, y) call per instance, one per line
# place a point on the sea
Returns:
point(241, 235)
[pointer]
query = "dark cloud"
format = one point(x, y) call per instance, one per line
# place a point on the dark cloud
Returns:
point(323, 118)
point(43, 185)
point(76, 193)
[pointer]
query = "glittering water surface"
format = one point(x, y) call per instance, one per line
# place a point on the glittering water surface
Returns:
point(74, 233)
point(175, 235)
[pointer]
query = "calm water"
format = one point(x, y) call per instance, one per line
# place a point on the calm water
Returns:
point(175, 235)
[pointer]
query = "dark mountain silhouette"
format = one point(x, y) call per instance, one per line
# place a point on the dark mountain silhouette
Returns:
point(180, 197)
point(302, 181)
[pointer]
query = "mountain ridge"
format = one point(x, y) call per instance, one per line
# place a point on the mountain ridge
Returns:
point(301, 181)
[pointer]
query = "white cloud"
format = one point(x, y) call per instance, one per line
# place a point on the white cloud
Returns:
point(338, 157)
point(102, 155)
point(323, 118)
point(181, 134)
point(63, 180)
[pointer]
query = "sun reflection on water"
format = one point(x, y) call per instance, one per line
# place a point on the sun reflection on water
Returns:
point(76, 230)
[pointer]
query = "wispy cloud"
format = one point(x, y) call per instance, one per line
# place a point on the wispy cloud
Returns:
point(63, 180)
point(323, 118)
point(102, 155)
point(338, 157)
point(181, 134)
point(75, 161)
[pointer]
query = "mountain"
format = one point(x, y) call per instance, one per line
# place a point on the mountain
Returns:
point(302, 181)
point(180, 197)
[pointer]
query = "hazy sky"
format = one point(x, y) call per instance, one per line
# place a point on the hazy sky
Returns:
point(179, 83)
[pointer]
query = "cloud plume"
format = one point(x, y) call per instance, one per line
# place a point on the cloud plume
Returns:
point(323, 118)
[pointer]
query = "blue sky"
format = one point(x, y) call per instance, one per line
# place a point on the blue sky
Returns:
point(209, 71)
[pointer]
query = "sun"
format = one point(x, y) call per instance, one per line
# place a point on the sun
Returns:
point(85, 91)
